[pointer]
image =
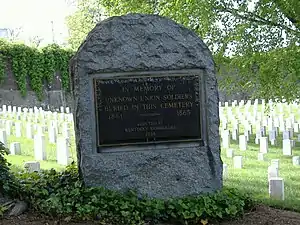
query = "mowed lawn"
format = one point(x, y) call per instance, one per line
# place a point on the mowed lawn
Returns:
point(253, 178)
point(18, 161)
point(27, 150)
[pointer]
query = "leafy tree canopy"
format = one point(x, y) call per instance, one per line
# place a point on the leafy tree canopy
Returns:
point(258, 40)
point(88, 13)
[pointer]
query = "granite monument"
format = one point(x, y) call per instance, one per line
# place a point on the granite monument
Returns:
point(146, 108)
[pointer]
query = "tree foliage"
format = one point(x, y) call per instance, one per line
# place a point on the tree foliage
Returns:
point(88, 13)
point(255, 39)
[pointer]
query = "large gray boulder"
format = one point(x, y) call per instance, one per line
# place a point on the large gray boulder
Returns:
point(144, 44)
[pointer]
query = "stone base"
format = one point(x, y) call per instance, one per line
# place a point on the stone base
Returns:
point(160, 173)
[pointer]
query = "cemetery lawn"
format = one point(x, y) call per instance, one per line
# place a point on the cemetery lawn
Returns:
point(253, 177)
point(27, 146)
point(18, 161)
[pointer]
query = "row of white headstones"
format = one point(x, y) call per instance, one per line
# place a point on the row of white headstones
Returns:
point(60, 129)
point(265, 122)
point(37, 122)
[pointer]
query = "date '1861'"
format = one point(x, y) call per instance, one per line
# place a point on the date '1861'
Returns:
point(149, 109)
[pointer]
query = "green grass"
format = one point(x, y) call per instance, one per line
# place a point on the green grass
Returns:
point(28, 153)
point(251, 179)
point(27, 149)
point(18, 162)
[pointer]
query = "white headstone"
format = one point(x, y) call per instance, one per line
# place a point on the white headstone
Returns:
point(261, 156)
point(275, 163)
point(296, 127)
point(29, 130)
point(225, 171)
point(40, 129)
point(67, 133)
point(8, 124)
point(247, 134)
point(52, 132)
point(243, 142)
point(264, 145)
point(256, 141)
point(39, 147)
point(229, 153)
point(285, 135)
point(224, 124)
point(276, 188)
point(270, 124)
point(258, 133)
point(62, 151)
point(288, 123)
point(273, 142)
point(15, 148)
point(18, 129)
point(293, 143)
point(61, 116)
point(67, 109)
point(235, 125)
point(272, 135)
point(32, 166)
point(226, 139)
point(234, 134)
point(248, 128)
point(272, 172)
point(238, 162)
point(287, 147)
point(4, 108)
point(3, 137)
point(296, 160)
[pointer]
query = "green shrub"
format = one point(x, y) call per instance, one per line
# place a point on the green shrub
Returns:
point(8, 181)
point(62, 194)
point(4, 168)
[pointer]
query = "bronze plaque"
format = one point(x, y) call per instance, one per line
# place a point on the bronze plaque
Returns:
point(147, 110)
